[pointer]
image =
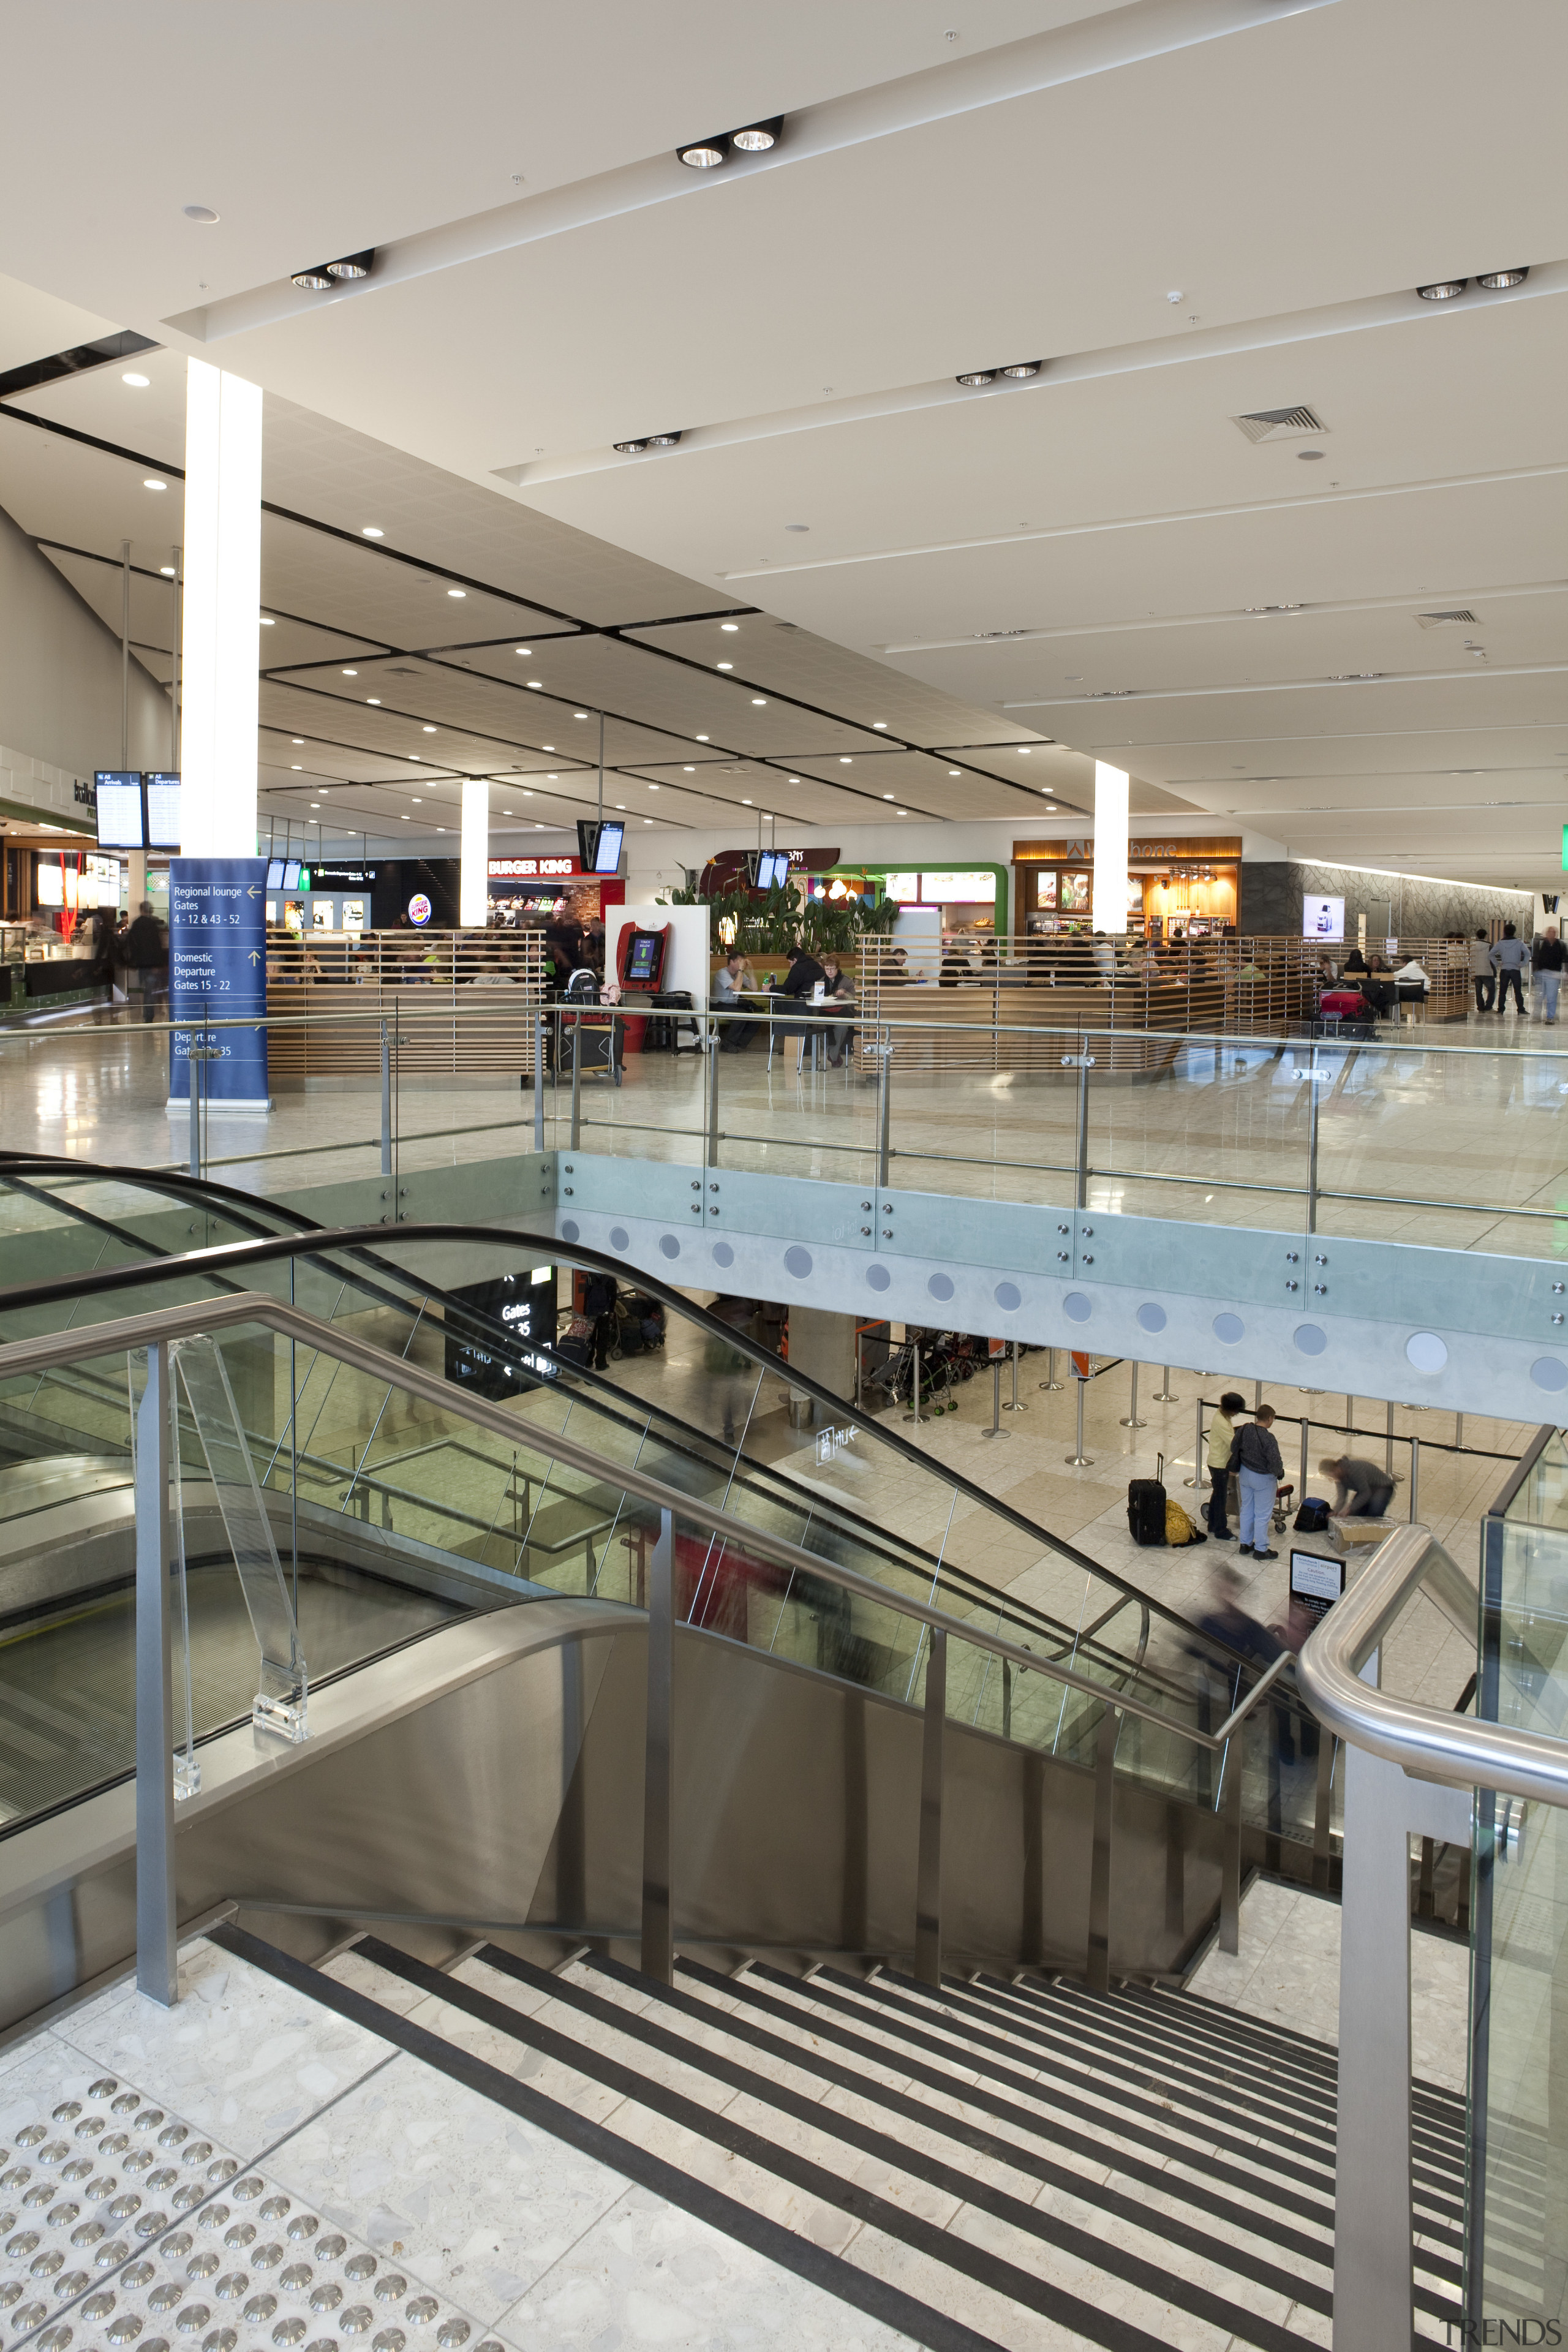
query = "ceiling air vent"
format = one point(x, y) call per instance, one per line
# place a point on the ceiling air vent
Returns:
point(989, 636)
point(1446, 620)
point(1279, 424)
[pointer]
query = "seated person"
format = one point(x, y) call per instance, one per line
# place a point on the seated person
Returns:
point(1363, 1490)
point(1412, 975)
point(841, 1035)
point(1377, 986)
point(1353, 965)
point(956, 968)
point(733, 976)
point(803, 973)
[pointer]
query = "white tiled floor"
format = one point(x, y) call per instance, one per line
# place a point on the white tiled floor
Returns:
point(1287, 1971)
point(505, 2232)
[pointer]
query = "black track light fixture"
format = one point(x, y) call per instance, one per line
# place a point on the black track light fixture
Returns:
point(322, 276)
point(648, 441)
point(752, 139)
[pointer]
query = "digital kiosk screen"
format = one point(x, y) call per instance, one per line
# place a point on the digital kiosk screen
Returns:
point(643, 959)
point(120, 808)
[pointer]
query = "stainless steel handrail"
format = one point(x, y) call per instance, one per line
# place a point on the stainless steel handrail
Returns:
point(23, 1359)
point(1429, 1743)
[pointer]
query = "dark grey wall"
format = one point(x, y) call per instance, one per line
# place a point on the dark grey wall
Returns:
point(1271, 896)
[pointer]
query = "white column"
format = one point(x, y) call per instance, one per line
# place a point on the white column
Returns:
point(1110, 913)
point(222, 612)
point(473, 894)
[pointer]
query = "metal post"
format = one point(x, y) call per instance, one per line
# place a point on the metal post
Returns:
point(174, 672)
point(711, 1074)
point(1050, 1380)
point(572, 1031)
point(1099, 1970)
point(884, 1111)
point(996, 1429)
point(1301, 1488)
point(1077, 1459)
point(125, 653)
point(1350, 1415)
point(1230, 1858)
point(1459, 1429)
point(157, 1945)
point(915, 1393)
point(658, 1911)
point(1373, 2286)
point(1388, 1444)
point(1082, 1162)
point(601, 811)
point(1322, 1810)
point(1415, 1478)
point(538, 1078)
point(1312, 1146)
point(1163, 1395)
point(1197, 1478)
point(1130, 1418)
point(1014, 1406)
point(194, 1075)
point(928, 1885)
point(386, 1101)
point(1256, 1394)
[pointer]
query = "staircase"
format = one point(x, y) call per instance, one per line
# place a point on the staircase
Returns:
point(1002, 2163)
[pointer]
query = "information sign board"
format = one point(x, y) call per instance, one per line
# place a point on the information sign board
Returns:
point(217, 971)
point(1317, 1580)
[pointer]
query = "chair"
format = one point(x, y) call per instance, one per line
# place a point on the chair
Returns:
point(1413, 994)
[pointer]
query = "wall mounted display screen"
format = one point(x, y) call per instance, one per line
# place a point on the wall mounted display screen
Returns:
point(163, 811)
point(1323, 919)
point(275, 874)
point(607, 848)
point(120, 823)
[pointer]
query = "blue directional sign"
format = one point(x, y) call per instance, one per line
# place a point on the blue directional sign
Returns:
point(217, 972)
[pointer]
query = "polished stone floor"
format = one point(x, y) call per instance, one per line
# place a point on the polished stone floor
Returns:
point(1468, 1114)
point(256, 2171)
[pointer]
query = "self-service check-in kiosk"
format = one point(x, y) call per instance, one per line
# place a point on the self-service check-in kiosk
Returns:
point(641, 959)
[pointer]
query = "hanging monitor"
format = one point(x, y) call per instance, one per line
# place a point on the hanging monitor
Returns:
point(291, 874)
point(162, 810)
point(119, 825)
point(607, 847)
point(275, 874)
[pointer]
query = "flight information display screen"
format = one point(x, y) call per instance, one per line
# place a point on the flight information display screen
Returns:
point(120, 808)
point(163, 811)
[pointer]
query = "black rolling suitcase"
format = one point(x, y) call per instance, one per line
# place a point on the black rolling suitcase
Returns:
point(1146, 1508)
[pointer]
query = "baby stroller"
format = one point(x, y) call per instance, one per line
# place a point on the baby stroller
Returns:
point(594, 1040)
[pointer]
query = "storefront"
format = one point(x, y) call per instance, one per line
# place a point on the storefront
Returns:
point(969, 901)
point(1175, 890)
point(524, 892)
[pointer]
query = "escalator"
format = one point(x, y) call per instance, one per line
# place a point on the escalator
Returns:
point(460, 1569)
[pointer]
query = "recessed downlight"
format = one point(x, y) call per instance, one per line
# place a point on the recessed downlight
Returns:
point(759, 701)
point(165, 572)
point(881, 725)
point(663, 440)
point(724, 665)
point(137, 382)
point(458, 593)
point(704, 154)
point(372, 531)
point(353, 265)
point(977, 376)
point(153, 483)
point(351, 673)
point(429, 730)
point(312, 281)
point(1021, 369)
point(629, 449)
point(526, 651)
point(731, 629)
point(1495, 280)
point(1442, 289)
point(535, 685)
point(757, 137)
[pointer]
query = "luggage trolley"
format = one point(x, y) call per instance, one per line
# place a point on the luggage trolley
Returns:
point(591, 1038)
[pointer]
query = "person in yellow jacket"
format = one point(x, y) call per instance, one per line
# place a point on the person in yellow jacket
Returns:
point(1222, 1437)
